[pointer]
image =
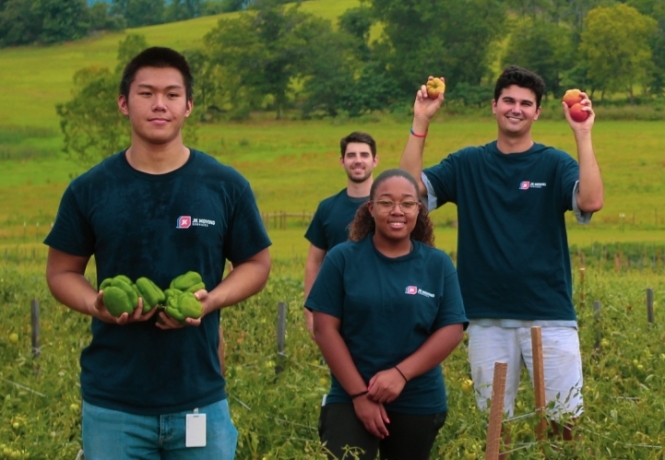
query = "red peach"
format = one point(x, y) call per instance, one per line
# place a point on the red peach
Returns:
point(578, 113)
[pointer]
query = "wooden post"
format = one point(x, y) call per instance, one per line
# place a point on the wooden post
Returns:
point(596, 310)
point(281, 335)
point(596, 318)
point(34, 316)
point(650, 305)
point(582, 270)
point(538, 380)
point(496, 411)
point(34, 313)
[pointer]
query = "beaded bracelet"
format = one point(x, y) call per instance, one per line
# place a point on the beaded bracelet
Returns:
point(417, 135)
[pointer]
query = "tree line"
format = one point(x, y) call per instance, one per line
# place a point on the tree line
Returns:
point(275, 57)
point(24, 22)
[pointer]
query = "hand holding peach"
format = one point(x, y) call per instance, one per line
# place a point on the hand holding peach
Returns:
point(435, 86)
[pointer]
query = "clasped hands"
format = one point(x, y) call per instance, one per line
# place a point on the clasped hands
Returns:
point(383, 388)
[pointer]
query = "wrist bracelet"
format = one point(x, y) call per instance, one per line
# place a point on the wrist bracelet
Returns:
point(402, 374)
point(357, 395)
point(417, 135)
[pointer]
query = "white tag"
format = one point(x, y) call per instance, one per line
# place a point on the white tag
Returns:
point(323, 401)
point(195, 431)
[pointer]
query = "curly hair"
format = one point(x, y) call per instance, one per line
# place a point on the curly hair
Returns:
point(363, 223)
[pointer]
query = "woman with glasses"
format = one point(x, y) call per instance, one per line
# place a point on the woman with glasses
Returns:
point(387, 311)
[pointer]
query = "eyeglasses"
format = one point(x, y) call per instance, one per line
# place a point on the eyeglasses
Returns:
point(386, 206)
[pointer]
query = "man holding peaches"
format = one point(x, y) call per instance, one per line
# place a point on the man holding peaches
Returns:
point(513, 260)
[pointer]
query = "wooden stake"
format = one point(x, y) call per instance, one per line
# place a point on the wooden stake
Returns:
point(650, 317)
point(496, 411)
point(281, 336)
point(539, 380)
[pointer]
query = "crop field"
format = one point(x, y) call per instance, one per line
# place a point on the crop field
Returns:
point(292, 164)
point(276, 413)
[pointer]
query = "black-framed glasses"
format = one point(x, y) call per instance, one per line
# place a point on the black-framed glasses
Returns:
point(386, 206)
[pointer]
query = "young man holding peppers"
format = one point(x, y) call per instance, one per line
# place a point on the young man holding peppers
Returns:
point(151, 385)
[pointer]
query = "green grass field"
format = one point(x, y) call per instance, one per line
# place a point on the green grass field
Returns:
point(292, 165)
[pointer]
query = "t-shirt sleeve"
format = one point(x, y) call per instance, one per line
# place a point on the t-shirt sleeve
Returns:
point(441, 183)
point(315, 233)
point(569, 174)
point(71, 232)
point(451, 307)
point(247, 234)
point(327, 293)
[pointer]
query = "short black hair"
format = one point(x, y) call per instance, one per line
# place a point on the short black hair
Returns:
point(160, 57)
point(357, 136)
point(514, 75)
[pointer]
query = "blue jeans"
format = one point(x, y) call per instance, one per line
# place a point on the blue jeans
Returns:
point(115, 435)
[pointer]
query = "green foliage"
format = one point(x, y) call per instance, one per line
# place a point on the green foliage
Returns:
point(275, 400)
point(92, 125)
point(616, 44)
point(139, 12)
point(358, 22)
point(101, 19)
point(180, 10)
point(62, 20)
point(544, 47)
point(18, 23)
point(442, 37)
point(52, 21)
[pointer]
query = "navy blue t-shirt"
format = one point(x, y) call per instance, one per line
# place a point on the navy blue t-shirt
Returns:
point(513, 259)
point(158, 226)
point(330, 224)
point(389, 307)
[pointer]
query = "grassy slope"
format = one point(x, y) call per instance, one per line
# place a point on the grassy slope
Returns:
point(34, 79)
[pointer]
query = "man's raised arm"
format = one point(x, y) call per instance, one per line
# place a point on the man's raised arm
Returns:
point(424, 109)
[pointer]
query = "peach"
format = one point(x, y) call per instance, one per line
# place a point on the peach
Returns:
point(578, 113)
point(572, 96)
point(435, 86)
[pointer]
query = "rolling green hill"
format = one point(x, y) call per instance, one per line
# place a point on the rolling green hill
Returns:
point(34, 79)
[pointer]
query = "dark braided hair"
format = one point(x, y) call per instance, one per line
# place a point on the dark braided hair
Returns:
point(363, 222)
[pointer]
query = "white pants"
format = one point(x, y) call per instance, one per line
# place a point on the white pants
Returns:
point(562, 365)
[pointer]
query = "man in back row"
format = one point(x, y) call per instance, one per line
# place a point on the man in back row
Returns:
point(330, 223)
point(513, 260)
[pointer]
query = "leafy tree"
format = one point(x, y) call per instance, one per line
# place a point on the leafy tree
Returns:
point(616, 44)
point(62, 20)
point(101, 19)
point(92, 125)
point(262, 63)
point(19, 24)
point(328, 68)
point(46, 21)
point(543, 47)
point(179, 10)
point(357, 22)
point(139, 12)
point(225, 6)
point(443, 37)
point(234, 71)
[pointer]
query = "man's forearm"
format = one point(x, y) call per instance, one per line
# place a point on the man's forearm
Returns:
point(412, 157)
point(246, 279)
point(590, 196)
point(72, 290)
